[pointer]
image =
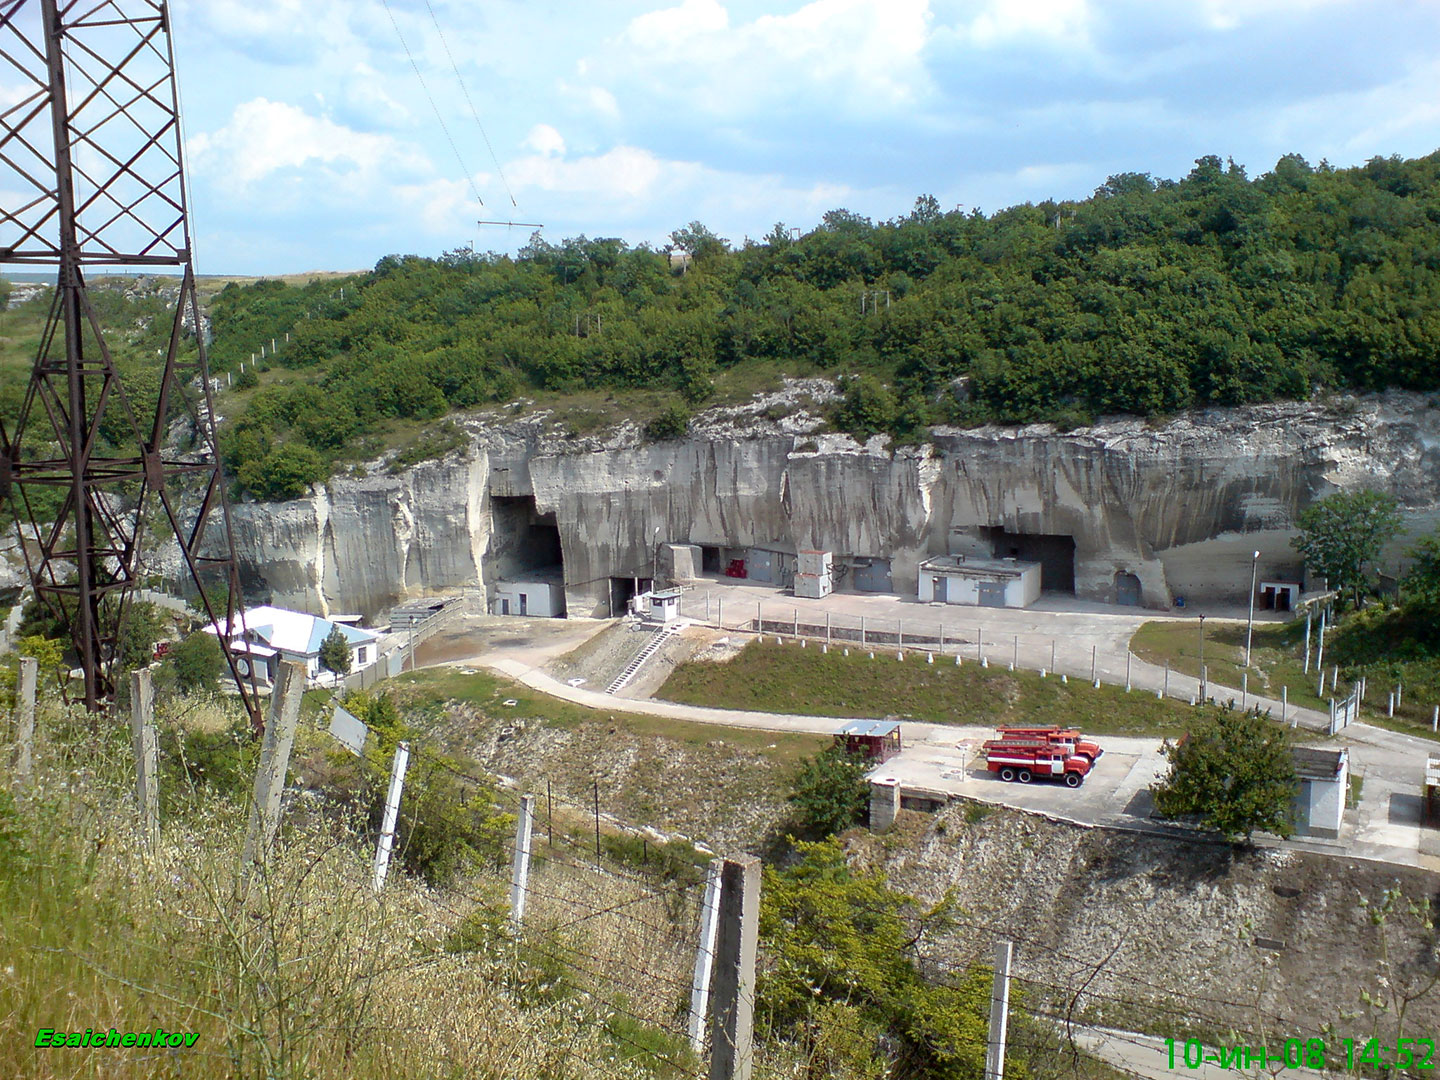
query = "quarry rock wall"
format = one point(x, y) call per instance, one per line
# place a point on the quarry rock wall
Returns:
point(1180, 506)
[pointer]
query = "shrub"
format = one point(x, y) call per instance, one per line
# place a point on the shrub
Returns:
point(672, 423)
point(829, 793)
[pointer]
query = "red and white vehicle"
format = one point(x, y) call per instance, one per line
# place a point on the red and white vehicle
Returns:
point(1069, 738)
point(1026, 759)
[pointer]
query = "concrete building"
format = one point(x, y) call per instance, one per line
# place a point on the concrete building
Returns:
point(1324, 776)
point(539, 593)
point(272, 634)
point(963, 579)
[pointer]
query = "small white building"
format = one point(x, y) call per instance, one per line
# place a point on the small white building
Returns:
point(540, 594)
point(664, 606)
point(1324, 776)
point(269, 635)
point(963, 579)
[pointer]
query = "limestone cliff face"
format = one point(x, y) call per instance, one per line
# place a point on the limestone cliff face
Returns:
point(1181, 506)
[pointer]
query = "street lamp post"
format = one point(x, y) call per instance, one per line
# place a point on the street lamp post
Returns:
point(1202, 659)
point(1250, 621)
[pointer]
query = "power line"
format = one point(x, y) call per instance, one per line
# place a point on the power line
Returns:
point(469, 177)
point(465, 90)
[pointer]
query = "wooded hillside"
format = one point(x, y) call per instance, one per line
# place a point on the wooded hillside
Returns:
point(1148, 297)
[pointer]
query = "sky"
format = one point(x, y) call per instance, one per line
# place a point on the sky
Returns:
point(325, 134)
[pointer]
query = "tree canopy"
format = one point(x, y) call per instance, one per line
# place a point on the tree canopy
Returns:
point(1233, 772)
point(1148, 297)
point(1343, 534)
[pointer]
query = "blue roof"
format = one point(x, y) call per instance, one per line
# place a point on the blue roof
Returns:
point(873, 728)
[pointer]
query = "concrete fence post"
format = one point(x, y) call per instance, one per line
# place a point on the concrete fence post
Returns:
point(733, 1014)
point(147, 753)
point(25, 720)
point(999, 1012)
point(1435, 719)
point(520, 860)
point(1165, 691)
point(705, 956)
point(1015, 655)
point(1128, 657)
point(862, 631)
point(1244, 689)
point(274, 761)
point(1307, 641)
point(1093, 649)
point(392, 812)
point(827, 629)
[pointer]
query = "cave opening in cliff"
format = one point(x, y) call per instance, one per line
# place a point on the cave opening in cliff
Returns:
point(1055, 554)
point(522, 540)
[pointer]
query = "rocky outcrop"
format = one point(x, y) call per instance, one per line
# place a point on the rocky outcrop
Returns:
point(1179, 506)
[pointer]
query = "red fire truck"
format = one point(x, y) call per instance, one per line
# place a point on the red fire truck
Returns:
point(1025, 759)
point(1070, 738)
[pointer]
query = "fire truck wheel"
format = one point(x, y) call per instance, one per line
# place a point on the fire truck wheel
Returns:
point(1073, 779)
point(1007, 774)
point(1023, 776)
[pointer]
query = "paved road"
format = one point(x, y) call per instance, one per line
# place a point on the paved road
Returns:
point(941, 758)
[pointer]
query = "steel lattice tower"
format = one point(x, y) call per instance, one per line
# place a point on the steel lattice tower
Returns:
point(93, 145)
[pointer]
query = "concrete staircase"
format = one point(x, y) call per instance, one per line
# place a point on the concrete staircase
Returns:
point(651, 647)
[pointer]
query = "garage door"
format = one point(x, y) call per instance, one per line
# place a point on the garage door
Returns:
point(761, 565)
point(992, 593)
point(873, 578)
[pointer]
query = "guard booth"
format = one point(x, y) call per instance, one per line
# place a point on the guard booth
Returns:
point(664, 606)
point(878, 740)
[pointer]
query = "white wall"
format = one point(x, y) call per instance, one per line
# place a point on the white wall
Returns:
point(1019, 592)
point(542, 600)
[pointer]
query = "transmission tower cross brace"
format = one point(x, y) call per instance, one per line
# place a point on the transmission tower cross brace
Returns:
point(93, 144)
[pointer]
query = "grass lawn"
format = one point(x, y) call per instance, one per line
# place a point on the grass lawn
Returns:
point(1277, 659)
point(788, 679)
point(1277, 655)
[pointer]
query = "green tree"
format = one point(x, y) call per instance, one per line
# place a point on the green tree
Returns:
point(197, 661)
point(829, 793)
point(335, 652)
point(284, 473)
point(1233, 772)
point(843, 947)
point(1423, 579)
point(1342, 535)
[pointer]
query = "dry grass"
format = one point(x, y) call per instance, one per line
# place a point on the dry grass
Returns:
point(300, 970)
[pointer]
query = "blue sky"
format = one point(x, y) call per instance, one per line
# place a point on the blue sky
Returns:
point(312, 144)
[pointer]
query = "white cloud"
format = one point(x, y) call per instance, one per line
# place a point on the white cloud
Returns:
point(1004, 21)
point(865, 55)
point(265, 137)
point(545, 140)
point(670, 28)
point(1232, 14)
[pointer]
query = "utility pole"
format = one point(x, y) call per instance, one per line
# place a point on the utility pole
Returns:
point(1250, 620)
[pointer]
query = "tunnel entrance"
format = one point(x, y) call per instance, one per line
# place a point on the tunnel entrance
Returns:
point(524, 543)
point(1055, 554)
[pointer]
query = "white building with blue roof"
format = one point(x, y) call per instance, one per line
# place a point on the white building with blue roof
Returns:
point(269, 635)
